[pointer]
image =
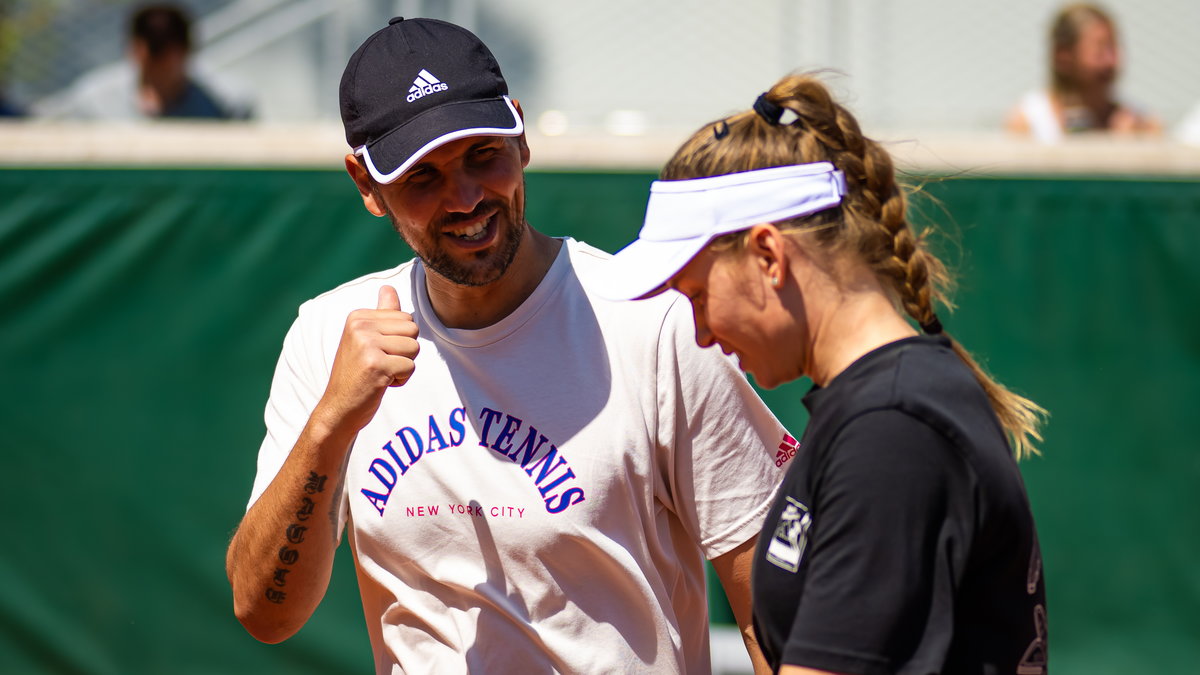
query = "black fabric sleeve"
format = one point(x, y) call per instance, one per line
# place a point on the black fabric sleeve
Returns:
point(891, 518)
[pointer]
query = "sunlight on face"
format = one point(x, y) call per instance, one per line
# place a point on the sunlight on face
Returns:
point(730, 308)
point(461, 209)
point(1095, 58)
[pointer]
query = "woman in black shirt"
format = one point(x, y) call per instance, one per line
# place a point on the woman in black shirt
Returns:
point(901, 539)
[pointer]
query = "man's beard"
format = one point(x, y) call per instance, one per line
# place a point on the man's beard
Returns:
point(490, 264)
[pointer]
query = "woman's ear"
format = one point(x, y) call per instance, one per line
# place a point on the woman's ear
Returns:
point(766, 246)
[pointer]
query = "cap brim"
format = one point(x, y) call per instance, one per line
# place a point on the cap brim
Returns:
point(395, 153)
point(644, 267)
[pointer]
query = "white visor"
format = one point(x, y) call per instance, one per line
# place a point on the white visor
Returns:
point(683, 216)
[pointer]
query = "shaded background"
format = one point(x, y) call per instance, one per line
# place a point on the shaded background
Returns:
point(142, 311)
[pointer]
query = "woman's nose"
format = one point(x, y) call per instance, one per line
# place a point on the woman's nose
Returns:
point(704, 336)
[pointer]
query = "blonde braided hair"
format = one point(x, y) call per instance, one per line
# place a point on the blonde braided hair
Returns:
point(872, 221)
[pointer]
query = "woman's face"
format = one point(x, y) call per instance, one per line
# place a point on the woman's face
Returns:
point(1094, 59)
point(735, 307)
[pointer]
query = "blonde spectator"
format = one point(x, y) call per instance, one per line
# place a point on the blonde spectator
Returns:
point(1085, 62)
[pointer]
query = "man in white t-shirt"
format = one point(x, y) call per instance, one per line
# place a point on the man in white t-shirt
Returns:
point(530, 476)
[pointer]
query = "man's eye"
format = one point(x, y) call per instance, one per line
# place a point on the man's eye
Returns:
point(421, 175)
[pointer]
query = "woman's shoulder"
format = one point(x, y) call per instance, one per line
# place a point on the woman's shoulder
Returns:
point(922, 378)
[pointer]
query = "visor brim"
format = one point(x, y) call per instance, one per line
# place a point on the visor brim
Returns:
point(644, 267)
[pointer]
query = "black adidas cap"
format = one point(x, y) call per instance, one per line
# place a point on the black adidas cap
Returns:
point(418, 84)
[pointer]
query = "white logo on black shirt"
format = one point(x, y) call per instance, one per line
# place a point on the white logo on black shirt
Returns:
point(1034, 660)
point(791, 536)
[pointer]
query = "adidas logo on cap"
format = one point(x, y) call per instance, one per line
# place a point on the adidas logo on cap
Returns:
point(425, 84)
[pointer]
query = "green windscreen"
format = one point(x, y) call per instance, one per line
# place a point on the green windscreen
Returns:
point(141, 313)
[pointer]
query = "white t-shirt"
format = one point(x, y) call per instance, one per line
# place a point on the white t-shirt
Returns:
point(1044, 124)
point(540, 495)
point(1039, 114)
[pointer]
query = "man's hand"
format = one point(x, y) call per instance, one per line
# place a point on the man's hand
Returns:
point(377, 351)
point(280, 559)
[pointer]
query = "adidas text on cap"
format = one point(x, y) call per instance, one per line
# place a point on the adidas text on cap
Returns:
point(683, 216)
point(418, 84)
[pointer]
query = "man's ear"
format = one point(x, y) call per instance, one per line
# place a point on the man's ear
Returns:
point(362, 180)
point(522, 144)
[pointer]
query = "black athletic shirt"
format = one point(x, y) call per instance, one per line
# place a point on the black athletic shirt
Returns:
point(901, 539)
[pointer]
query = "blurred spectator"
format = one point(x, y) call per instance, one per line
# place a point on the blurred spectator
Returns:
point(1084, 65)
point(7, 109)
point(155, 83)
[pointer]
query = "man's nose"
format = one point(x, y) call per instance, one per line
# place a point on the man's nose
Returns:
point(463, 193)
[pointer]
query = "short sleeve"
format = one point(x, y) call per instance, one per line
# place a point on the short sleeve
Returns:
point(297, 385)
point(720, 440)
point(891, 525)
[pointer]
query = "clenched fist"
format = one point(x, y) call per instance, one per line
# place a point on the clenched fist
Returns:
point(377, 351)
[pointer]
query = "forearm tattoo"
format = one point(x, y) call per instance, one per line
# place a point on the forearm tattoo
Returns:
point(294, 535)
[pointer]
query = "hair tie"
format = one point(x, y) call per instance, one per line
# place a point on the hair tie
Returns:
point(771, 112)
point(933, 326)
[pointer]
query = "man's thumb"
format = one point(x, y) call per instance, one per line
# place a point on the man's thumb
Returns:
point(388, 299)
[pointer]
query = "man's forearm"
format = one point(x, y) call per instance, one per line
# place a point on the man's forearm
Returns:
point(733, 569)
point(281, 557)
